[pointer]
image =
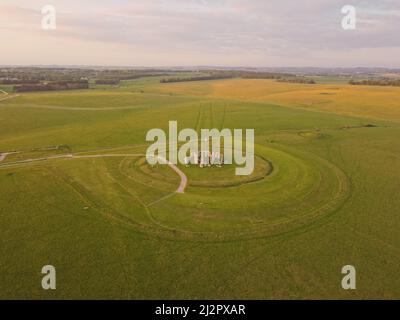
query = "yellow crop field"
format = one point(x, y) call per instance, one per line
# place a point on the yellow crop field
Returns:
point(364, 101)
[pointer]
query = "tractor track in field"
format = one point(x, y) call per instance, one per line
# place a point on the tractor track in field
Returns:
point(33, 106)
point(181, 188)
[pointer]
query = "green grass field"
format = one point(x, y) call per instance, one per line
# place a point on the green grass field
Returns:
point(324, 194)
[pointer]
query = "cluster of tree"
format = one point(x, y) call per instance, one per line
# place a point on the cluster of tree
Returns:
point(134, 76)
point(17, 81)
point(25, 75)
point(376, 82)
point(47, 78)
point(29, 75)
point(227, 74)
point(265, 75)
point(127, 74)
point(61, 85)
point(197, 78)
point(303, 80)
point(114, 77)
point(108, 81)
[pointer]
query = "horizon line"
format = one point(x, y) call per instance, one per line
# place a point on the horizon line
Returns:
point(196, 66)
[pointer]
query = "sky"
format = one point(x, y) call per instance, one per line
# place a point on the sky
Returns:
point(250, 33)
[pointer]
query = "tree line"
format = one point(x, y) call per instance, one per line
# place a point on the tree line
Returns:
point(376, 82)
point(303, 80)
point(62, 85)
point(197, 78)
point(228, 74)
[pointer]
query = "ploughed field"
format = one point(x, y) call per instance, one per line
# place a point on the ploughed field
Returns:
point(324, 193)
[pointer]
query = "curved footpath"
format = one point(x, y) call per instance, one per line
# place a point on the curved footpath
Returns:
point(181, 188)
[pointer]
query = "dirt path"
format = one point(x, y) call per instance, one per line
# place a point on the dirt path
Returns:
point(183, 177)
point(5, 154)
point(8, 96)
point(181, 188)
point(1, 99)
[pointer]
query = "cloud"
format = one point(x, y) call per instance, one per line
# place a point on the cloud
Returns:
point(245, 30)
